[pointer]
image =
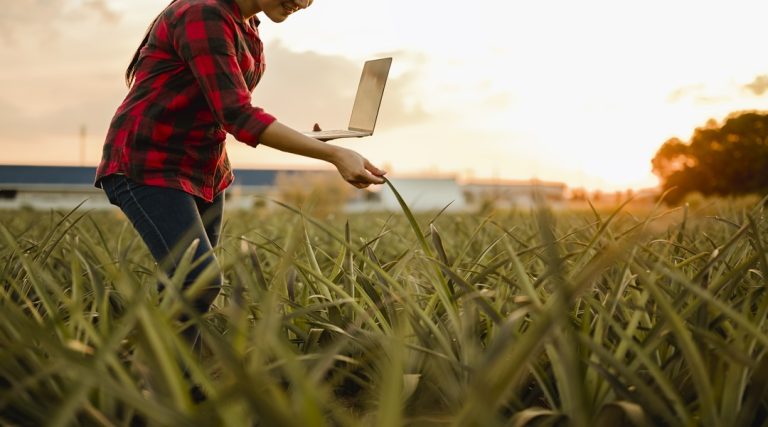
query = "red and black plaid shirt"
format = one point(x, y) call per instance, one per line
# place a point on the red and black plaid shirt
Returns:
point(193, 85)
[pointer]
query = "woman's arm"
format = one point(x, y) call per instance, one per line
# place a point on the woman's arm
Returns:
point(204, 38)
point(353, 167)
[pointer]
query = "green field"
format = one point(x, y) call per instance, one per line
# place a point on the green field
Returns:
point(540, 318)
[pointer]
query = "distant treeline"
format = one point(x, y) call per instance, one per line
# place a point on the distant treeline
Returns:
point(727, 159)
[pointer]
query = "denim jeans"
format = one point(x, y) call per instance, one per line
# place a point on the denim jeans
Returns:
point(169, 220)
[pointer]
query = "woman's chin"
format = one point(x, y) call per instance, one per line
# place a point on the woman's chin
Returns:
point(277, 16)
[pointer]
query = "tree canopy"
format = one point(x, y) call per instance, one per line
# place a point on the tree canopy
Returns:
point(719, 160)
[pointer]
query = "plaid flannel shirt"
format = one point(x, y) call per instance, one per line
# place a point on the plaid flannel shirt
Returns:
point(193, 85)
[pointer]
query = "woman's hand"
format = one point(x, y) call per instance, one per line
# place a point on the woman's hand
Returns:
point(349, 165)
point(356, 169)
point(353, 167)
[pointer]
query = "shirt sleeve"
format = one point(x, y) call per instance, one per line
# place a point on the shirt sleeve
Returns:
point(204, 37)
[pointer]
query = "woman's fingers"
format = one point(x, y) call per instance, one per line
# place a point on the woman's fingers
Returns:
point(356, 169)
point(366, 177)
point(363, 179)
point(373, 169)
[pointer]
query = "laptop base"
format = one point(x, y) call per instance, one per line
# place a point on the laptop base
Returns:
point(326, 135)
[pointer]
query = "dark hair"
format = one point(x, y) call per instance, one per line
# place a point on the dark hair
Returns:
point(130, 72)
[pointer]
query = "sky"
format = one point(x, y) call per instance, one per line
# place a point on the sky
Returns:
point(579, 92)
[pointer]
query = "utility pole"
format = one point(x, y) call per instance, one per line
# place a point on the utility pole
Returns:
point(83, 134)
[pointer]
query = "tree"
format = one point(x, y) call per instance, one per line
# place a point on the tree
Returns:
point(731, 159)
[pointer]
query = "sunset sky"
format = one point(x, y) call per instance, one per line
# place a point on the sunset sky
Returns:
point(581, 92)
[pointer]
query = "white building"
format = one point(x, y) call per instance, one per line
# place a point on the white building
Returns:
point(64, 187)
point(508, 194)
point(419, 193)
point(49, 187)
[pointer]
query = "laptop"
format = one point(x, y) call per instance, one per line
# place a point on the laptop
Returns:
point(370, 90)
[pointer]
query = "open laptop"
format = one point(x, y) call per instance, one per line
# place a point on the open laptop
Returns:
point(370, 90)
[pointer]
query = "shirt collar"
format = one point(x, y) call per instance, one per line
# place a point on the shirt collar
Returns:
point(250, 22)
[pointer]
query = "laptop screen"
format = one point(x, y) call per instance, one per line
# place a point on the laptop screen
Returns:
point(369, 94)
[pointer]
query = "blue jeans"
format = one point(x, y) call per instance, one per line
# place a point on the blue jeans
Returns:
point(169, 220)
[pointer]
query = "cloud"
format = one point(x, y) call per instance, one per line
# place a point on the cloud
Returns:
point(300, 88)
point(44, 20)
point(93, 111)
point(401, 106)
point(702, 94)
point(707, 94)
point(53, 137)
point(27, 17)
point(759, 85)
point(684, 92)
point(100, 8)
point(303, 88)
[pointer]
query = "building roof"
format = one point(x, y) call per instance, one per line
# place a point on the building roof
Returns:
point(512, 183)
point(41, 175)
point(81, 177)
point(255, 177)
point(15, 176)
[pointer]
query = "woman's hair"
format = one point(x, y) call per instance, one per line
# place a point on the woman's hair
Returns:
point(130, 72)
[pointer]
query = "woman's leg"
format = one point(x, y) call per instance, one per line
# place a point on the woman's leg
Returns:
point(211, 213)
point(168, 221)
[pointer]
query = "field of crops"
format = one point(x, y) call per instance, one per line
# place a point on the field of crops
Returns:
point(540, 318)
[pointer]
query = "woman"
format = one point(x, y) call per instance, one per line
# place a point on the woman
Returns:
point(164, 162)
